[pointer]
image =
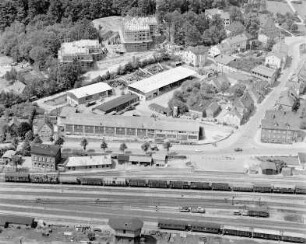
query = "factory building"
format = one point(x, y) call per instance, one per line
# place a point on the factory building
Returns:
point(161, 83)
point(89, 93)
point(93, 125)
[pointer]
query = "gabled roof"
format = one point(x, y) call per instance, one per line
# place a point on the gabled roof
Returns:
point(224, 59)
point(236, 39)
point(43, 122)
point(264, 70)
point(213, 107)
point(17, 87)
point(214, 11)
point(90, 90)
point(88, 161)
point(112, 104)
point(234, 26)
point(9, 154)
point(267, 165)
point(132, 224)
point(140, 158)
point(44, 149)
point(198, 50)
point(280, 120)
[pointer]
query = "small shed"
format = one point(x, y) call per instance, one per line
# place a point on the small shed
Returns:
point(126, 229)
point(159, 159)
point(141, 159)
point(268, 168)
point(123, 158)
point(287, 171)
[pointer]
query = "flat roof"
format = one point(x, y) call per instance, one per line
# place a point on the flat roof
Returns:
point(264, 70)
point(267, 231)
point(90, 90)
point(88, 161)
point(131, 122)
point(112, 104)
point(140, 158)
point(162, 79)
point(240, 228)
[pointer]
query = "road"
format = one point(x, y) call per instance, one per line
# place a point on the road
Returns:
point(78, 201)
point(294, 11)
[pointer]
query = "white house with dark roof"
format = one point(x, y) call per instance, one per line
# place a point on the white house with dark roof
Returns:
point(195, 56)
point(88, 93)
point(275, 60)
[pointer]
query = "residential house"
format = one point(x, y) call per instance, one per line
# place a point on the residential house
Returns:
point(126, 230)
point(45, 157)
point(225, 16)
point(275, 60)
point(234, 44)
point(265, 73)
point(7, 157)
point(90, 162)
point(220, 82)
point(196, 111)
point(281, 127)
point(244, 105)
point(44, 128)
point(213, 110)
point(269, 32)
point(195, 56)
point(17, 88)
point(235, 28)
point(222, 63)
point(214, 51)
point(288, 100)
point(230, 117)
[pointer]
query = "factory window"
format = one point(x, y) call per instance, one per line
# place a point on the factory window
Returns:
point(89, 129)
point(69, 128)
point(120, 131)
point(141, 132)
point(131, 131)
point(109, 130)
point(99, 129)
point(78, 128)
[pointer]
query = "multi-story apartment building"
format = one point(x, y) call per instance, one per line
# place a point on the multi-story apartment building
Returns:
point(45, 157)
point(138, 34)
point(280, 127)
point(93, 125)
point(86, 52)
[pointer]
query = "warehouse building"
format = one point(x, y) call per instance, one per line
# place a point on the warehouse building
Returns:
point(161, 83)
point(118, 104)
point(91, 162)
point(89, 93)
point(93, 125)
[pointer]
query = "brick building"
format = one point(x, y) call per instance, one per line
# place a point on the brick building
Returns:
point(280, 127)
point(45, 157)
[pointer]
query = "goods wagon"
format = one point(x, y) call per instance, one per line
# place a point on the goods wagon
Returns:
point(17, 177)
point(91, 181)
point(179, 184)
point(137, 182)
point(206, 227)
point(220, 187)
point(263, 188)
point(237, 231)
point(200, 186)
point(50, 178)
point(158, 183)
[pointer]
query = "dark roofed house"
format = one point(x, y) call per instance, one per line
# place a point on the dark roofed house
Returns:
point(281, 127)
point(45, 157)
point(117, 104)
point(213, 110)
point(268, 168)
point(126, 230)
point(195, 56)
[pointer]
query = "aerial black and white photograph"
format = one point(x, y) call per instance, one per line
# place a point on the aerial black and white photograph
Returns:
point(152, 121)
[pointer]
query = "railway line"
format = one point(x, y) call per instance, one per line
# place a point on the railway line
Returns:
point(140, 202)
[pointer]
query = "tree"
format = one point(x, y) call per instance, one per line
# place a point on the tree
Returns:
point(103, 145)
point(236, 14)
point(23, 128)
point(26, 148)
point(123, 147)
point(51, 139)
point(84, 143)
point(29, 135)
point(167, 145)
point(145, 146)
point(60, 141)
point(15, 142)
point(37, 140)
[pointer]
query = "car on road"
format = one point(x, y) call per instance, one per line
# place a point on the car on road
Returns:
point(184, 209)
point(197, 210)
point(238, 149)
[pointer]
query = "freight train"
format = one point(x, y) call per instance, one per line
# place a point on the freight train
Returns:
point(215, 228)
point(56, 178)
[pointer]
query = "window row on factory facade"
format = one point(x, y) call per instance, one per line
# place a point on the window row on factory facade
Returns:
point(128, 131)
point(43, 159)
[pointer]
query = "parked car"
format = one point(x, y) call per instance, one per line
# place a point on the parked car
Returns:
point(238, 149)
